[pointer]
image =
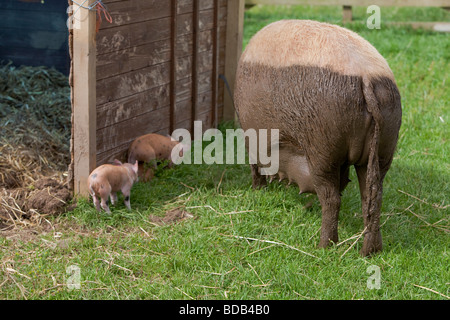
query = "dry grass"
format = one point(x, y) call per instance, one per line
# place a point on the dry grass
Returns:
point(35, 133)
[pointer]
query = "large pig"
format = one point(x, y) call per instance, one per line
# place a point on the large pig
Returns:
point(106, 180)
point(335, 102)
point(150, 148)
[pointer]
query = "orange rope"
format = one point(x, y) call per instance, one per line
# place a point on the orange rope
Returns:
point(101, 8)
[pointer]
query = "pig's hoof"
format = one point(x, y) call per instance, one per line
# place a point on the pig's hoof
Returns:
point(327, 240)
point(372, 244)
point(258, 185)
point(259, 182)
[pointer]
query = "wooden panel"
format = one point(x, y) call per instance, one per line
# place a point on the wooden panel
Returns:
point(347, 14)
point(124, 85)
point(215, 65)
point(173, 56)
point(126, 36)
point(134, 58)
point(134, 105)
point(131, 59)
point(235, 27)
point(153, 70)
point(126, 131)
point(134, 11)
point(195, 62)
point(84, 102)
point(184, 86)
point(115, 39)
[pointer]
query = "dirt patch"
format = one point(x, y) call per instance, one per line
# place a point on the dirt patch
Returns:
point(35, 121)
point(50, 198)
point(172, 216)
point(19, 234)
point(28, 206)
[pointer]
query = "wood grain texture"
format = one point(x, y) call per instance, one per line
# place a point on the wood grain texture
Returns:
point(157, 71)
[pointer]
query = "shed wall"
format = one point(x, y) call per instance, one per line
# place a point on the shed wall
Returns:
point(157, 68)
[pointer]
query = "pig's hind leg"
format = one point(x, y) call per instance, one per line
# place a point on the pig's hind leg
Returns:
point(94, 198)
point(96, 202)
point(113, 197)
point(104, 205)
point(126, 194)
point(105, 193)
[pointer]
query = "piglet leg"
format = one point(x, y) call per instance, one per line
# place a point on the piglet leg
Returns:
point(126, 193)
point(105, 206)
point(258, 180)
point(96, 203)
point(113, 198)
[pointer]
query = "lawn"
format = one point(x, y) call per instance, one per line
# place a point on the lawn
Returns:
point(262, 244)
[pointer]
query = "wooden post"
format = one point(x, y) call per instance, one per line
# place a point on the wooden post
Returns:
point(347, 14)
point(195, 43)
point(235, 27)
point(215, 74)
point(173, 64)
point(84, 99)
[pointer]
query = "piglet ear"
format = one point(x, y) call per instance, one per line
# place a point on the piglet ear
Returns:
point(117, 162)
point(135, 167)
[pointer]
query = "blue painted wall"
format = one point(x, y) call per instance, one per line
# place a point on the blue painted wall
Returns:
point(34, 33)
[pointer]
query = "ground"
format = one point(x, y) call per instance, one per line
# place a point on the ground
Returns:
point(240, 243)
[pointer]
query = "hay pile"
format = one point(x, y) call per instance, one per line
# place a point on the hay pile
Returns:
point(35, 122)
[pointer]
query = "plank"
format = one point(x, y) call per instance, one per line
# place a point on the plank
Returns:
point(185, 6)
point(120, 110)
point(114, 39)
point(129, 129)
point(134, 11)
point(195, 60)
point(84, 102)
point(124, 85)
point(347, 14)
point(120, 152)
point(131, 59)
point(135, 104)
point(185, 124)
point(206, 120)
point(183, 108)
point(184, 89)
point(134, 73)
point(235, 27)
point(126, 36)
point(215, 64)
point(173, 56)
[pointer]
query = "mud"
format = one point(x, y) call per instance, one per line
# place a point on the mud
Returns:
point(20, 205)
point(172, 216)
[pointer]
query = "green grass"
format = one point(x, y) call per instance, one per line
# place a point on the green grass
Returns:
point(125, 256)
